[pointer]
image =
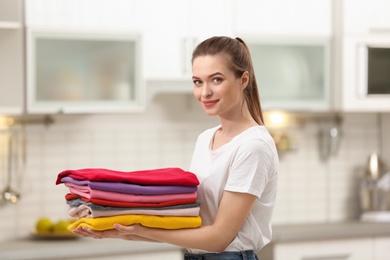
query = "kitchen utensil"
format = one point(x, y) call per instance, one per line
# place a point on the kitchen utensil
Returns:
point(375, 190)
point(384, 181)
point(329, 142)
point(373, 198)
point(9, 194)
point(374, 167)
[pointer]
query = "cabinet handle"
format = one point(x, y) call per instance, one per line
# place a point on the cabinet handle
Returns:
point(379, 30)
point(327, 257)
point(187, 46)
point(184, 55)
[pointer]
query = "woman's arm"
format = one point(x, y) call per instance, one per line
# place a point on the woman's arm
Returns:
point(232, 212)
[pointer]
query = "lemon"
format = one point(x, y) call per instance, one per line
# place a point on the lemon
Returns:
point(61, 227)
point(44, 226)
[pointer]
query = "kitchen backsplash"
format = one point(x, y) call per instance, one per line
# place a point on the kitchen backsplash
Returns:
point(310, 190)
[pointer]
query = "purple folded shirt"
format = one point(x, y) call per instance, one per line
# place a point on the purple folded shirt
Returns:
point(132, 188)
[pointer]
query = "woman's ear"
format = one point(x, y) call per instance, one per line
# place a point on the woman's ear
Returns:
point(244, 79)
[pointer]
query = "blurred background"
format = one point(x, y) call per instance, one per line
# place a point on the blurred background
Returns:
point(108, 84)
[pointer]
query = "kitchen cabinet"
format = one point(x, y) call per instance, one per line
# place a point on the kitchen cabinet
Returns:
point(351, 249)
point(171, 29)
point(85, 15)
point(86, 249)
point(12, 57)
point(179, 26)
point(365, 26)
point(290, 43)
point(355, 97)
point(329, 241)
point(292, 73)
point(279, 17)
point(309, 57)
point(165, 43)
point(169, 41)
point(171, 255)
point(381, 248)
point(82, 71)
point(376, 248)
point(84, 57)
point(363, 16)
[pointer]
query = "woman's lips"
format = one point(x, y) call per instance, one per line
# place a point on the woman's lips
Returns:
point(209, 103)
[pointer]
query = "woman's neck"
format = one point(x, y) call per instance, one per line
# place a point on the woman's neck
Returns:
point(235, 123)
point(234, 127)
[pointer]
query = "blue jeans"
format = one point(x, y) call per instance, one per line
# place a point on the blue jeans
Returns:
point(243, 255)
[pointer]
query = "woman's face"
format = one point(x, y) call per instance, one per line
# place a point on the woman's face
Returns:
point(216, 87)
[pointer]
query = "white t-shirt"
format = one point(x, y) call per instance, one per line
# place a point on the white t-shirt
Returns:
point(248, 163)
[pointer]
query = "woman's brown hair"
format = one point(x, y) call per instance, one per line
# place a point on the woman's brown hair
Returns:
point(237, 53)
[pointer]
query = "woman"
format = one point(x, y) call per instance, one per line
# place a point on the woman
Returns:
point(235, 162)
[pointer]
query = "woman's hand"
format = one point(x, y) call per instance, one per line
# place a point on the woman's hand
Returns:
point(120, 231)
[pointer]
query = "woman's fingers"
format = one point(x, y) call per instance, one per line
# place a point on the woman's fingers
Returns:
point(87, 232)
point(126, 229)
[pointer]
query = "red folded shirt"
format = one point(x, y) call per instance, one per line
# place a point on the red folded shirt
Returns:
point(162, 176)
point(102, 202)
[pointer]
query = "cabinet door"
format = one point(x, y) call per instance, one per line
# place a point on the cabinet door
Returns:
point(362, 16)
point(171, 255)
point(172, 30)
point(298, 17)
point(12, 58)
point(381, 248)
point(81, 71)
point(295, 251)
point(86, 14)
point(292, 73)
point(348, 249)
point(106, 76)
point(164, 39)
point(211, 18)
point(354, 67)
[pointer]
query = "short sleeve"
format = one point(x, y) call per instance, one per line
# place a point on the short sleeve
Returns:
point(251, 168)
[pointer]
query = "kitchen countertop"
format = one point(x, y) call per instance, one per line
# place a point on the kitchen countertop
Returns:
point(318, 231)
point(45, 249)
point(34, 249)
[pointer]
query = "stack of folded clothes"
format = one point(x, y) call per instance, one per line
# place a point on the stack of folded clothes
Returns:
point(158, 198)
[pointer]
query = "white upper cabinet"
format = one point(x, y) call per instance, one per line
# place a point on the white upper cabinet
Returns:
point(365, 66)
point(280, 17)
point(211, 18)
point(171, 31)
point(164, 31)
point(292, 73)
point(11, 57)
point(72, 71)
point(84, 56)
point(84, 14)
point(173, 28)
point(366, 16)
point(365, 56)
point(290, 43)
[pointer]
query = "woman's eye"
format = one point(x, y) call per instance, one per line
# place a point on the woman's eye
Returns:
point(217, 80)
point(197, 82)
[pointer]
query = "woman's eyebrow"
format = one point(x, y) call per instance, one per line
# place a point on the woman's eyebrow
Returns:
point(210, 76)
point(216, 74)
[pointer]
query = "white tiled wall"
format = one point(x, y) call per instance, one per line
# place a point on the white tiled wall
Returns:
point(310, 190)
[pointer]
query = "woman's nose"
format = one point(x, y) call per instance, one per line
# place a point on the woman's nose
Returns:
point(206, 91)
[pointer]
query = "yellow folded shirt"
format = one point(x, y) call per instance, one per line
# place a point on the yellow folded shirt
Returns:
point(165, 222)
